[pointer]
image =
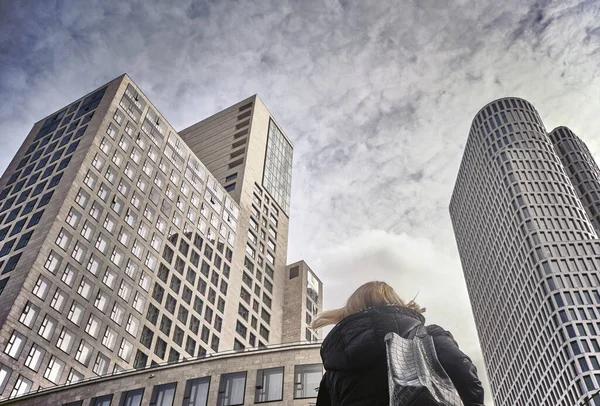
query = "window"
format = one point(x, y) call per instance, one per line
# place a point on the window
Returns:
point(47, 328)
point(41, 287)
point(110, 278)
point(65, 340)
point(132, 397)
point(24, 240)
point(101, 301)
point(85, 288)
point(74, 376)
point(269, 385)
point(117, 314)
point(84, 353)
point(54, 370)
point(15, 344)
point(73, 218)
point(124, 290)
point(125, 350)
point(22, 386)
point(139, 302)
point(68, 276)
point(232, 389)
point(132, 325)
point(101, 400)
point(196, 392)
point(101, 364)
point(75, 313)
point(93, 265)
point(87, 231)
point(306, 380)
point(93, 326)
point(34, 358)
point(160, 348)
point(29, 315)
point(58, 300)
point(5, 373)
point(163, 395)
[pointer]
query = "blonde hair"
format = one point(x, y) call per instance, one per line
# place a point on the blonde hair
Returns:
point(370, 294)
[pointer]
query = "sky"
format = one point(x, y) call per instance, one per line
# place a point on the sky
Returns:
point(377, 97)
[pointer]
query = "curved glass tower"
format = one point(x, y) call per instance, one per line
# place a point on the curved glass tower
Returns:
point(525, 211)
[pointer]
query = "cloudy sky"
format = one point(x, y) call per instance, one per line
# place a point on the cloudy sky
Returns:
point(377, 96)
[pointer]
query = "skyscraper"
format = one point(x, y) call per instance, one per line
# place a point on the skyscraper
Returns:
point(119, 249)
point(525, 216)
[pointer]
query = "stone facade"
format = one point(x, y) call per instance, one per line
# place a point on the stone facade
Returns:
point(213, 367)
point(119, 248)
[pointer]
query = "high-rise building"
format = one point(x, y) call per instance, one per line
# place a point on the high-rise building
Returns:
point(525, 213)
point(121, 248)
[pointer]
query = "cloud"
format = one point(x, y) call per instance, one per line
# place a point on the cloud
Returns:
point(378, 97)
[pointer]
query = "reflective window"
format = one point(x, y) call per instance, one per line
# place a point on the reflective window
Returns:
point(22, 386)
point(269, 385)
point(132, 397)
point(5, 373)
point(196, 392)
point(15, 344)
point(232, 389)
point(101, 400)
point(163, 395)
point(306, 380)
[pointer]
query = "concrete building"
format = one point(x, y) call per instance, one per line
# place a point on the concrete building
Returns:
point(285, 375)
point(120, 248)
point(525, 216)
point(304, 296)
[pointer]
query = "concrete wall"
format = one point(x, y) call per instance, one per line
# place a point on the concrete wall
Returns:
point(251, 361)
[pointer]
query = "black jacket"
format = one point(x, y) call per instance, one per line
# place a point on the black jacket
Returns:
point(355, 363)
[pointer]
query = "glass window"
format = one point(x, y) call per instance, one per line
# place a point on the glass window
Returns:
point(269, 385)
point(163, 395)
point(132, 397)
point(52, 262)
point(75, 313)
point(41, 287)
point(65, 340)
point(196, 392)
point(47, 328)
point(5, 373)
point(29, 315)
point(68, 276)
point(93, 326)
point(84, 353)
point(34, 358)
point(54, 370)
point(232, 389)
point(22, 386)
point(306, 380)
point(101, 364)
point(74, 376)
point(101, 400)
point(101, 301)
point(125, 350)
point(15, 344)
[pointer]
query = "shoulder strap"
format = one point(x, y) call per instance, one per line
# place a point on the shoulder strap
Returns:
point(419, 330)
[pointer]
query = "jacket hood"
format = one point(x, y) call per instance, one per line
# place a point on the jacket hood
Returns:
point(357, 342)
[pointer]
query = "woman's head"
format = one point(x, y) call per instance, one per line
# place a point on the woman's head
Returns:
point(370, 294)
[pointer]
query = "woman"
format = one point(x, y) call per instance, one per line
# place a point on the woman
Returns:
point(354, 353)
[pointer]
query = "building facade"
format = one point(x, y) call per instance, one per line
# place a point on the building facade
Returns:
point(524, 212)
point(286, 375)
point(120, 249)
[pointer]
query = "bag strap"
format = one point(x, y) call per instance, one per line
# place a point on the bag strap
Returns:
point(419, 331)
